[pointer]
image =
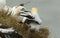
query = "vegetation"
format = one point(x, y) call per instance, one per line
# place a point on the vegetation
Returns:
point(21, 28)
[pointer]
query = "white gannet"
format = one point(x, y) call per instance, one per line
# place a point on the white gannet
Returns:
point(33, 16)
point(33, 19)
point(37, 18)
point(26, 16)
point(16, 11)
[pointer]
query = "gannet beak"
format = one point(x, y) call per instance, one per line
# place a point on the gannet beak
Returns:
point(34, 10)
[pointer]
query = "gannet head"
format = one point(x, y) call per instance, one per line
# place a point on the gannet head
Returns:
point(34, 10)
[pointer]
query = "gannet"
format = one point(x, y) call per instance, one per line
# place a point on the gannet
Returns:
point(37, 18)
point(33, 16)
point(16, 11)
point(33, 19)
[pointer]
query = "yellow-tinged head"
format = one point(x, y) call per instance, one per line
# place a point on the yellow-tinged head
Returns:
point(34, 10)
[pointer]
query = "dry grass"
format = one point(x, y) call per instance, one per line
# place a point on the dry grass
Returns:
point(21, 28)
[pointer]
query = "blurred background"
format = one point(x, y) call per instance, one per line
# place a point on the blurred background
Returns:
point(49, 11)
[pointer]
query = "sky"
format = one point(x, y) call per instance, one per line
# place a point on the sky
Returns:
point(2, 4)
point(49, 11)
